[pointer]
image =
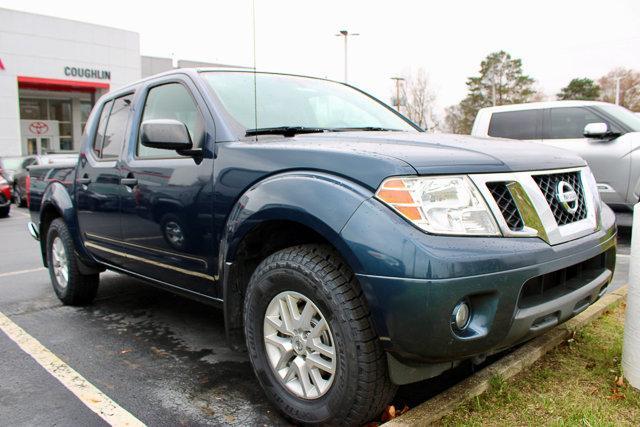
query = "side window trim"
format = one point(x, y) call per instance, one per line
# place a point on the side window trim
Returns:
point(96, 149)
point(136, 137)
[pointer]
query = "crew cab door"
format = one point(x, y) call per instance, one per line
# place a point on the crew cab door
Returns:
point(167, 198)
point(98, 187)
point(608, 160)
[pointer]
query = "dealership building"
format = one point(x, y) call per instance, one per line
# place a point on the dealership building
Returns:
point(53, 70)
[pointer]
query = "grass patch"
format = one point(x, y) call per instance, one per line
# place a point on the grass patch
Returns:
point(573, 385)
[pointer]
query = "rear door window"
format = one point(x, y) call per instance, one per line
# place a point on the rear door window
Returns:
point(112, 128)
point(569, 122)
point(116, 130)
point(524, 124)
point(102, 125)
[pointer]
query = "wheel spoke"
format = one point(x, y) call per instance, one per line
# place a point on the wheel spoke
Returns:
point(305, 318)
point(318, 329)
point(317, 380)
point(321, 348)
point(279, 326)
point(284, 347)
point(285, 314)
point(303, 376)
point(293, 310)
point(319, 362)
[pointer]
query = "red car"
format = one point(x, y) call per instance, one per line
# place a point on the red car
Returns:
point(5, 197)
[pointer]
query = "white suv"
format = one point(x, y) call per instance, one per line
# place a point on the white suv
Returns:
point(607, 136)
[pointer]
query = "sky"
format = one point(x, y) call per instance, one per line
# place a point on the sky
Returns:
point(556, 40)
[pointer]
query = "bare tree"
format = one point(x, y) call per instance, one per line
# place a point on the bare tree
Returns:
point(629, 87)
point(419, 98)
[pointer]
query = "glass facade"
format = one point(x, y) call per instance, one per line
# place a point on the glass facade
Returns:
point(67, 117)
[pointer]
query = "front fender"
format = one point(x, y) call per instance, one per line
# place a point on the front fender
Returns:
point(321, 202)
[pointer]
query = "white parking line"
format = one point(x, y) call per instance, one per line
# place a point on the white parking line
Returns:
point(86, 392)
point(623, 255)
point(15, 273)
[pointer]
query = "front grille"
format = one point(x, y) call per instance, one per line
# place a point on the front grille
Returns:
point(549, 184)
point(547, 287)
point(504, 200)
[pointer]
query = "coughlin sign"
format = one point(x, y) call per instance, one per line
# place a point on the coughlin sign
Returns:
point(89, 73)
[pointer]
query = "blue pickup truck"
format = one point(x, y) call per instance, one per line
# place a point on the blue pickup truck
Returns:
point(350, 251)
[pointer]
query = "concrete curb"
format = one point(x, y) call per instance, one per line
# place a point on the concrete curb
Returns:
point(436, 408)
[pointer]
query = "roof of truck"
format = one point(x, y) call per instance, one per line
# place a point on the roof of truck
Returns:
point(539, 105)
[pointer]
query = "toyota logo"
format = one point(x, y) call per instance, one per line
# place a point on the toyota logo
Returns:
point(38, 128)
point(567, 197)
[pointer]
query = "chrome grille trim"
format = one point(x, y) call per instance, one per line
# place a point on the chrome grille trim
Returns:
point(539, 220)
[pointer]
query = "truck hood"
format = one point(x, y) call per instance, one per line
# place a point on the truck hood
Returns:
point(370, 157)
point(442, 153)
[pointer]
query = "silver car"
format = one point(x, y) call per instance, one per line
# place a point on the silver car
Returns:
point(607, 136)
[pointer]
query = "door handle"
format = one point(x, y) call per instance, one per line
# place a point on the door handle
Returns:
point(84, 180)
point(129, 182)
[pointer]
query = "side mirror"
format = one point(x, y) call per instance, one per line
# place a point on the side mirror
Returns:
point(166, 134)
point(596, 130)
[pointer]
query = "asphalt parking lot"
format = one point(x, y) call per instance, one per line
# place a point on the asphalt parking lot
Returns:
point(161, 357)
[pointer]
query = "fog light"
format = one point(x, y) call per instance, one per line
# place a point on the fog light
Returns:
point(460, 315)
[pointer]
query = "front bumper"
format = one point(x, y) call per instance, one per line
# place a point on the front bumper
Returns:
point(498, 276)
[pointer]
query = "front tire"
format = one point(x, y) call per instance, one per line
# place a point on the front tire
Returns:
point(311, 340)
point(70, 285)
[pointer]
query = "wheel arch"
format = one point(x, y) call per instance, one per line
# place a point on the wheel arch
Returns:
point(57, 203)
point(282, 211)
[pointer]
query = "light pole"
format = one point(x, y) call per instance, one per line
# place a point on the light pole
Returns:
point(398, 80)
point(345, 34)
point(618, 90)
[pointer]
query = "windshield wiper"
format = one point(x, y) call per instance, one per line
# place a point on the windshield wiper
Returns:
point(366, 128)
point(285, 130)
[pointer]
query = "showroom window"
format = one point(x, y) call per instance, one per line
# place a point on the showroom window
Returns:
point(60, 110)
point(85, 110)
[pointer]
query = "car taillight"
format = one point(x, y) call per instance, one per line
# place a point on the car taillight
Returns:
point(28, 185)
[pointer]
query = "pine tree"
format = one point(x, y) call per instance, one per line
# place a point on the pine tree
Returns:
point(580, 89)
point(501, 81)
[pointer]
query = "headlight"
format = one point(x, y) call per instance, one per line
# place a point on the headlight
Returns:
point(440, 204)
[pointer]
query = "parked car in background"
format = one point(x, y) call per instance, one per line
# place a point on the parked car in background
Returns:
point(10, 165)
point(349, 250)
point(5, 197)
point(607, 136)
point(19, 175)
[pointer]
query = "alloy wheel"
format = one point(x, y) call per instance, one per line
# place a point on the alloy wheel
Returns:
point(299, 345)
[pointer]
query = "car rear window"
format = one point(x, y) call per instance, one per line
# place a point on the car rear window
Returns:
point(524, 124)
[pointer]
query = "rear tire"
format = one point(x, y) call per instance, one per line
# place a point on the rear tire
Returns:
point(4, 212)
point(70, 285)
point(18, 199)
point(359, 387)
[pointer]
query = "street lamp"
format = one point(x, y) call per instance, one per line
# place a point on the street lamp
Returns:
point(345, 34)
point(618, 90)
point(398, 80)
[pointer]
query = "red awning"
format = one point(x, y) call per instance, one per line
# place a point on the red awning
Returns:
point(40, 83)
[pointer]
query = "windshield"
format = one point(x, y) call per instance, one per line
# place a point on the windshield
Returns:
point(11, 163)
point(622, 115)
point(290, 101)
